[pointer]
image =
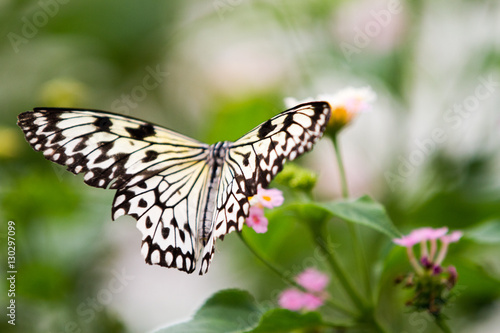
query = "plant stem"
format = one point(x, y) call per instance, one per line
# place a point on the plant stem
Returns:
point(353, 229)
point(324, 246)
point(340, 163)
point(277, 271)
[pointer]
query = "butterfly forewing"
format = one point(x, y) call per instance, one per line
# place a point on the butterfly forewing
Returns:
point(105, 147)
point(257, 157)
point(184, 194)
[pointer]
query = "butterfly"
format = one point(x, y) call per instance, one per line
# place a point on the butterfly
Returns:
point(184, 194)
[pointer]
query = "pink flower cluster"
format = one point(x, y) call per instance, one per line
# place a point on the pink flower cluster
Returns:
point(315, 283)
point(265, 198)
point(430, 258)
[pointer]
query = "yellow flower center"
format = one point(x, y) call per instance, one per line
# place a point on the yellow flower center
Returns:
point(340, 116)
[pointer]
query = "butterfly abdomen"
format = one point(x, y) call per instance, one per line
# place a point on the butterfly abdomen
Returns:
point(216, 157)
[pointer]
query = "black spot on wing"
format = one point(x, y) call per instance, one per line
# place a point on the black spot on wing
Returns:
point(165, 232)
point(246, 162)
point(151, 155)
point(103, 123)
point(141, 132)
point(149, 223)
point(265, 129)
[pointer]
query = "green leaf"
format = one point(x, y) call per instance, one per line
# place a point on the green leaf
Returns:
point(229, 310)
point(365, 211)
point(235, 311)
point(485, 233)
point(281, 320)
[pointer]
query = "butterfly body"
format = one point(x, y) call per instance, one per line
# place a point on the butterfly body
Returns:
point(184, 194)
point(217, 155)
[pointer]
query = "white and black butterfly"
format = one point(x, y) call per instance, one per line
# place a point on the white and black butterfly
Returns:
point(184, 194)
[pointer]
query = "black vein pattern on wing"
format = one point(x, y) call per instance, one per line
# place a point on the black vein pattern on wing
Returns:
point(82, 113)
point(79, 162)
point(182, 227)
point(272, 130)
point(182, 160)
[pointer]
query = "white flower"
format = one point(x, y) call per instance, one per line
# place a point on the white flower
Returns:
point(354, 100)
point(345, 104)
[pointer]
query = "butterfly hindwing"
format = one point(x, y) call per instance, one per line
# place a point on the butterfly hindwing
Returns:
point(166, 211)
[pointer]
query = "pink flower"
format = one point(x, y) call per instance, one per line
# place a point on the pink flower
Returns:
point(296, 300)
point(311, 302)
point(313, 280)
point(446, 240)
point(291, 299)
point(431, 279)
point(407, 241)
point(424, 236)
point(451, 238)
point(257, 220)
point(268, 198)
point(315, 283)
point(427, 233)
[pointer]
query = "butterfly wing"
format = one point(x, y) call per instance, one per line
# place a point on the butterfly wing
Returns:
point(160, 175)
point(257, 157)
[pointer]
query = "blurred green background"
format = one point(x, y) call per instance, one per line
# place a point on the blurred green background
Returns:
point(213, 70)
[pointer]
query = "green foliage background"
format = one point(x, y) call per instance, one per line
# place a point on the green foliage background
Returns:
point(229, 65)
